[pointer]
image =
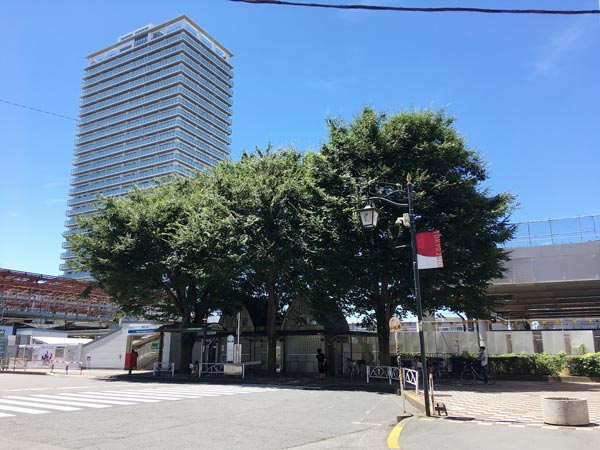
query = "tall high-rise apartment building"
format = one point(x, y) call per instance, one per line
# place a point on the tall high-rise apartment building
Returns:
point(156, 103)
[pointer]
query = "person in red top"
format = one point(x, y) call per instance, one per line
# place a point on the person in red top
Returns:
point(133, 360)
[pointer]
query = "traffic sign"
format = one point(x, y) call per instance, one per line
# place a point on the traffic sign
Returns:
point(395, 324)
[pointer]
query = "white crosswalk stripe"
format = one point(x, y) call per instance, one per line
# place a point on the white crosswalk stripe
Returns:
point(58, 401)
point(11, 405)
point(118, 396)
point(94, 398)
point(22, 410)
point(23, 403)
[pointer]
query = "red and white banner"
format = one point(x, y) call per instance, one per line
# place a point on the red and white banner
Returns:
point(429, 250)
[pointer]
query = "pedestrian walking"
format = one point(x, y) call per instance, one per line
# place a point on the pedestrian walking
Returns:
point(483, 363)
point(322, 364)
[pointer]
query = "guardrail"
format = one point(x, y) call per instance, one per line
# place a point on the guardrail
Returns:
point(158, 368)
point(391, 373)
point(249, 363)
point(556, 231)
point(410, 376)
point(219, 368)
point(211, 369)
point(66, 363)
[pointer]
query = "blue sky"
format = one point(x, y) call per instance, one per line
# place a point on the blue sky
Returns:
point(524, 89)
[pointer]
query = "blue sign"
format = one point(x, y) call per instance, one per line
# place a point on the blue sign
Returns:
point(142, 330)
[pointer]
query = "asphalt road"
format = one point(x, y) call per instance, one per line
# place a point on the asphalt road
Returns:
point(202, 416)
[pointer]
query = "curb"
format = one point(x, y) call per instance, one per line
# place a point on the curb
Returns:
point(21, 372)
point(416, 401)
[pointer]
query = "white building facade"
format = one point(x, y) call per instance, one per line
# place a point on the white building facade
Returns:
point(155, 104)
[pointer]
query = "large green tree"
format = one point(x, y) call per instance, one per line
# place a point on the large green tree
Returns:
point(373, 155)
point(159, 252)
point(280, 223)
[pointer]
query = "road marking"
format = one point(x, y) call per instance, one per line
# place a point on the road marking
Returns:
point(30, 403)
point(22, 410)
point(117, 396)
point(107, 403)
point(53, 400)
point(95, 399)
point(394, 437)
point(178, 396)
point(156, 396)
point(33, 403)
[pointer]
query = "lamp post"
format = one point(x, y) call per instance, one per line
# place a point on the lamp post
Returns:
point(368, 217)
point(203, 354)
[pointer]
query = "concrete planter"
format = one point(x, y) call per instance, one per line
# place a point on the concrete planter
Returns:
point(565, 411)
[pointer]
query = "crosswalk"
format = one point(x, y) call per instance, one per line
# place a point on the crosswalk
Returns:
point(35, 404)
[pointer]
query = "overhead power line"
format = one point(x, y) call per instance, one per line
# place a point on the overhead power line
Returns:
point(38, 110)
point(425, 10)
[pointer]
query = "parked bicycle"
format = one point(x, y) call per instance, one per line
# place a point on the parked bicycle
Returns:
point(470, 374)
point(439, 372)
point(355, 369)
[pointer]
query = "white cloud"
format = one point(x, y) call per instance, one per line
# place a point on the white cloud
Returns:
point(562, 46)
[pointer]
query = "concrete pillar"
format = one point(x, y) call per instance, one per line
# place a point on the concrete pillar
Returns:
point(482, 329)
point(565, 411)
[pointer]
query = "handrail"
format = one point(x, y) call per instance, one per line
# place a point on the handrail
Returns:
point(391, 373)
point(211, 369)
point(163, 367)
point(410, 376)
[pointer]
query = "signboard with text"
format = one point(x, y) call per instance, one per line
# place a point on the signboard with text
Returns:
point(429, 250)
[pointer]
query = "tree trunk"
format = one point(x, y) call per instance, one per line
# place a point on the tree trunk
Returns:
point(383, 314)
point(272, 328)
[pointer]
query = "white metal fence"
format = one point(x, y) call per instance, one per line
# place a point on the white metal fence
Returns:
point(391, 373)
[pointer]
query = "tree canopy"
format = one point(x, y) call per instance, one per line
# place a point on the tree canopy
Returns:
point(276, 226)
point(373, 155)
point(281, 222)
point(160, 253)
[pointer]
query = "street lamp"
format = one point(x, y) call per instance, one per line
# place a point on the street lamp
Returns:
point(203, 354)
point(368, 217)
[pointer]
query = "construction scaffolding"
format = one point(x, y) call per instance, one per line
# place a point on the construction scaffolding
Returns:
point(31, 295)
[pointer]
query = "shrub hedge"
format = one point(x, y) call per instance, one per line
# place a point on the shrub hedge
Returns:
point(536, 364)
point(584, 365)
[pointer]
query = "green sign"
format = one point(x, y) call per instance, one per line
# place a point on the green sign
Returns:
point(3, 345)
point(154, 346)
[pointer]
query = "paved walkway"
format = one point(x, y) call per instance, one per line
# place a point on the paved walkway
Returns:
point(514, 403)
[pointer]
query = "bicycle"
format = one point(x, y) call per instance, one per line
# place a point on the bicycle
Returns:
point(470, 374)
point(355, 369)
point(439, 373)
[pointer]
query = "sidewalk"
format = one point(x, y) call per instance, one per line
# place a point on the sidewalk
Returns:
point(514, 403)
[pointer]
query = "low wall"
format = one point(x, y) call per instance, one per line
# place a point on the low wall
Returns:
point(498, 342)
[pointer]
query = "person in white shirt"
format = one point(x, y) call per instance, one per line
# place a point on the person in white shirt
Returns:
point(483, 362)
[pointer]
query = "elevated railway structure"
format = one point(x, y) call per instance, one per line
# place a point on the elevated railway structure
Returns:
point(553, 273)
point(35, 297)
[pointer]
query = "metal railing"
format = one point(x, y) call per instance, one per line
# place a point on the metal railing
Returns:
point(556, 231)
point(211, 369)
point(410, 376)
point(391, 373)
point(158, 368)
